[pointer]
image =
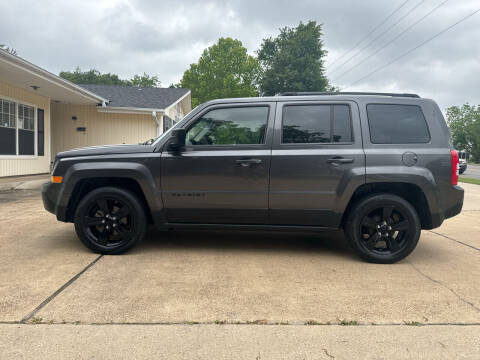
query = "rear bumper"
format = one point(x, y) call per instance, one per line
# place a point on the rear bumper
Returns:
point(452, 202)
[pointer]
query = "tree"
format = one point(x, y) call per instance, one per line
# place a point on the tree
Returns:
point(93, 76)
point(8, 49)
point(145, 80)
point(464, 123)
point(224, 70)
point(293, 61)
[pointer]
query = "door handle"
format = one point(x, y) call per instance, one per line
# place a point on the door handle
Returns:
point(248, 162)
point(339, 160)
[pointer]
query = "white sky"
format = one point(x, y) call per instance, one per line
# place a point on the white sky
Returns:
point(163, 37)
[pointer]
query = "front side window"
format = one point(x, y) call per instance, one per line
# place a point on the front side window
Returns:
point(313, 124)
point(230, 126)
point(397, 124)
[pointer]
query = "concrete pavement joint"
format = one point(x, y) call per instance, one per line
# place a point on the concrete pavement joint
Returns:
point(58, 291)
point(245, 323)
point(445, 286)
point(457, 241)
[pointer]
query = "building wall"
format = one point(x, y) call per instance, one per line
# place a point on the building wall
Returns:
point(26, 165)
point(101, 128)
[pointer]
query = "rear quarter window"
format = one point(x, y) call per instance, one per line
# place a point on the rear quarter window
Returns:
point(397, 124)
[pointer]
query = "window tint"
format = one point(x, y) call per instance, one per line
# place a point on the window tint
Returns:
point(230, 126)
point(397, 124)
point(309, 124)
point(342, 127)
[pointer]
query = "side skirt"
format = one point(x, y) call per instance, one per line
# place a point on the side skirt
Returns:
point(185, 226)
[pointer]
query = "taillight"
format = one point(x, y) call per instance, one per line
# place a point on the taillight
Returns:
point(455, 165)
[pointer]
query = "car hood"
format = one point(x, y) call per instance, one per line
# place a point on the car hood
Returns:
point(106, 150)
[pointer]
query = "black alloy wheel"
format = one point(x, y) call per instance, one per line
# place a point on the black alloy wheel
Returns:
point(383, 228)
point(110, 220)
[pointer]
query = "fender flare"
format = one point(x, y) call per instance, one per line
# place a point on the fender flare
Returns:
point(109, 169)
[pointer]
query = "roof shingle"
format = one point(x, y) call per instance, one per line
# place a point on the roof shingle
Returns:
point(137, 97)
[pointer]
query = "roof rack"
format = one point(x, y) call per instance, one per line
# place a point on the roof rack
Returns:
point(308, 93)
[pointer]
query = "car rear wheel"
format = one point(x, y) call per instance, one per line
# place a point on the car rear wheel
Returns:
point(110, 220)
point(383, 228)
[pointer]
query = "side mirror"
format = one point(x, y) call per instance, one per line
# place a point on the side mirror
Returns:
point(177, 140)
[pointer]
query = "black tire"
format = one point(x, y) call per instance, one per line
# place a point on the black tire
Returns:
point(110, 220)
point(383, 228)
point(461, 171)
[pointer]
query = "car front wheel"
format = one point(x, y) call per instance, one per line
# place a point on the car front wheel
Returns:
point(110, 220)
point(383, 228)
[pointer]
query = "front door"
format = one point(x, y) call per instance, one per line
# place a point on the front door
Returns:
point(221, 176)
point(317, 161)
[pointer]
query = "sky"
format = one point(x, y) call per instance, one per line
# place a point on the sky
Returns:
point(163, 37)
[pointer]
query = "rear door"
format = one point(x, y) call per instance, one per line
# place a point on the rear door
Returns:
point(317, 162)
point(221, 177)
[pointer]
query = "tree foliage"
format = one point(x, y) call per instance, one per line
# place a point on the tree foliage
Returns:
point(293, 61)
point(223, 70)
point(464, 123)
point(145, 80)
point(93, 76)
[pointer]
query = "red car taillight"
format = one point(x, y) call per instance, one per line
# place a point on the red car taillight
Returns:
point(454, 179)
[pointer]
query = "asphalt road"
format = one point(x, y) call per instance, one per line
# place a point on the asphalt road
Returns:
point(473, 171)
point(233, 295)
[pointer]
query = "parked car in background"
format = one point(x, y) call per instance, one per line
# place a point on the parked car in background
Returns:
point(462, 158)
point(379, 166)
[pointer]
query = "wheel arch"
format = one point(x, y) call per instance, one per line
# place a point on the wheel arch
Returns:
point(412, 193)
point(82, 178)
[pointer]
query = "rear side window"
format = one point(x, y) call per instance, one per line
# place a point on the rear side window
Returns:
point(397, 124)
point(313, 124)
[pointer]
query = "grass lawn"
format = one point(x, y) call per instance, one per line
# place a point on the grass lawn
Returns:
point(469, 180)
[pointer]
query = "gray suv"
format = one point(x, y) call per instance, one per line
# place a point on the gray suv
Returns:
point(380, 166)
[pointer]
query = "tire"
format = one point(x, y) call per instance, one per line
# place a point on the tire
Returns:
point(110, 220)
point(383, 228)
point(461, 171)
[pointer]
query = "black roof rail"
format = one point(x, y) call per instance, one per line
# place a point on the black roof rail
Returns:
point(308, 93)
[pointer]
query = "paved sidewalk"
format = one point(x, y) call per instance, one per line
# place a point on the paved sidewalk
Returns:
point(256, 342)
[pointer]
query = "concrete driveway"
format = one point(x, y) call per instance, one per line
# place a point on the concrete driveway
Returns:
point(234, 295)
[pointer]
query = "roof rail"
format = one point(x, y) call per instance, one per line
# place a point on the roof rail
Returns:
point(308, 93)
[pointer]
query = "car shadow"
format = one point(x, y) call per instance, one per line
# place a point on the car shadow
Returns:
point(258, 241)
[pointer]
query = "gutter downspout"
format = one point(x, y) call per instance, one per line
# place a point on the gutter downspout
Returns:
point(158, 121)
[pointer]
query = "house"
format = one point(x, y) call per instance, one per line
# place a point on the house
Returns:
point(42, 114)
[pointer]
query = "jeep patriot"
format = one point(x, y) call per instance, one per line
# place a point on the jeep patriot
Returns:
point(379, 166)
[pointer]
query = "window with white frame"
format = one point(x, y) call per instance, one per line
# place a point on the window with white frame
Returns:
point(7, 113)
point(18, 131)
point(26, 117)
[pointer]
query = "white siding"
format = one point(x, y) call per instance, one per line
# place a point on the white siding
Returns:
point(101, 128)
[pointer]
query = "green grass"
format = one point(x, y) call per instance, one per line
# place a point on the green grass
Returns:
point(469, 180)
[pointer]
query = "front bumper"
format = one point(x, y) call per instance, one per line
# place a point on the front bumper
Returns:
point(49, 196)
